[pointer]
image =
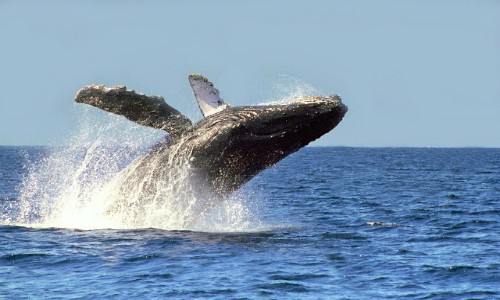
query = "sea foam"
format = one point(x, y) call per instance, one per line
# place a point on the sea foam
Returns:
point(90, 184)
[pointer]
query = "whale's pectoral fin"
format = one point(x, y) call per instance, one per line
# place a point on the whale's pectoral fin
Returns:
point(142, 109)
point(207, 95)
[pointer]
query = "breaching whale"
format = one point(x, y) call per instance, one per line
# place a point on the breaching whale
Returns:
point(218, 154)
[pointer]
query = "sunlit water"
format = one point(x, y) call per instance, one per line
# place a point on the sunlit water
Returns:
point(325, 223)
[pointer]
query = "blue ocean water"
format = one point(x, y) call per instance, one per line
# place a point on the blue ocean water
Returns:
point(326, 223)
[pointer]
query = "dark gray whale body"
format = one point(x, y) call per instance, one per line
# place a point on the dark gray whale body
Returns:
point(236, 144)
point(226, 148)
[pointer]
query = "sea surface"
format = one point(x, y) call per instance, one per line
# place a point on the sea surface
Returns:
point(324, 223)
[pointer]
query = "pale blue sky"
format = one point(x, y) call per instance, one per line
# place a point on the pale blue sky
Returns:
point(413, 73)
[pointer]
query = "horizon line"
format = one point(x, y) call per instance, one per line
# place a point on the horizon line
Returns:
point(313, 146)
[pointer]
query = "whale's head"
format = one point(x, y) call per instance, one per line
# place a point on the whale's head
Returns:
point(239, 142)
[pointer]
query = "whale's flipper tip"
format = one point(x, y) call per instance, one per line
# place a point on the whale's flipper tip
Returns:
point(206, 95)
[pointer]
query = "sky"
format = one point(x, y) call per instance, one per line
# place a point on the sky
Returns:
point(415, 73)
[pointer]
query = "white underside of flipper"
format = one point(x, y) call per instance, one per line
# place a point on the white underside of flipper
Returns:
point(206, 95)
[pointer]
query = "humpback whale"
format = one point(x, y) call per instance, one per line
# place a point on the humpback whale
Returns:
point(218, 154)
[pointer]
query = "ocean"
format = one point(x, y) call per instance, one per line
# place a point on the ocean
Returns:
point(324, 223)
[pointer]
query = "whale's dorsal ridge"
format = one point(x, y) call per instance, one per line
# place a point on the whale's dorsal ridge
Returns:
point(206, 95)
point(151, 111)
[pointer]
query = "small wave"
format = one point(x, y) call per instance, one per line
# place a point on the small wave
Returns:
point(142, 257)
point(213, 292)
point(8, 199)
point(452, 269)
point(160, 276)
point(383, 224)
point(22, 256)
point(297, 277)
point(336, 257)
point(460, 268)
point(343, 236)
point(284, 287)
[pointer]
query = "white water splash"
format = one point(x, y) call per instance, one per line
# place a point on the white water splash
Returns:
point(288, 89)
point(92, 184)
